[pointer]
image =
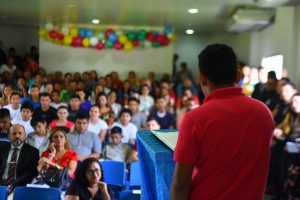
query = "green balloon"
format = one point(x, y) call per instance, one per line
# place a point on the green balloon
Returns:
point(109, 44)
point(156, 44)
point(131, 36)
point(141, 37)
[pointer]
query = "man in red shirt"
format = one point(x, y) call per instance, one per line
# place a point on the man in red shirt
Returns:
point(223, 146)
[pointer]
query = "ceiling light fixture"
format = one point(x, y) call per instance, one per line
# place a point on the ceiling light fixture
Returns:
point(95, 21)
point(193, 10)
point(189, 31)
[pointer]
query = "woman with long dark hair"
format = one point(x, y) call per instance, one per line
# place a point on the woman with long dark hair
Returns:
point(89, 183)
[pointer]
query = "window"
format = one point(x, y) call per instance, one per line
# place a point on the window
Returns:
point(273, 63)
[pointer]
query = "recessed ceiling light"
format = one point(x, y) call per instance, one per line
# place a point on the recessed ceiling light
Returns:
point(193, 10)
point(95, 21)
point(189, 31)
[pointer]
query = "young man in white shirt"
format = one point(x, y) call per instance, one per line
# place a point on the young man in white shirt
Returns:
point(14, 106)
point(26, 114)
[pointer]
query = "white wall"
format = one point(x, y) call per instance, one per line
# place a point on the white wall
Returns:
point(282, 37)
point(189, 46)
point(21, 37)
point(68, 59)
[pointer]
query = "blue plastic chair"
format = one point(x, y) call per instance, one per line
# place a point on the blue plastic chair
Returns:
point(135, 176)
point(30, 193)
point(3, 192)
point(114, 173)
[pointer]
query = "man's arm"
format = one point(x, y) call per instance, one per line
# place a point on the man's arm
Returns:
point(181, 182)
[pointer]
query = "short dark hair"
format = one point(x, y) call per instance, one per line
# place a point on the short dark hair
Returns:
point(45, 94)
point(14, 94)
point(115, 130)
point(272, 75)
point(80, 174)
point(125, 110)
point(133, 99)
point(75, 96)
point(4, 112)
point(35, 120)
point(82, 115)
point(218, 63)
point(27, 105)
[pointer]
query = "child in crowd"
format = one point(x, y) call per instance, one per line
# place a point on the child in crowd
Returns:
point(62, 121)
point(116, 151)
point(146, 101)
point(128, 129)
point(74, 107)
point(138, 118)
point(84, 104)
point(106, 112)
point(97, 125)
point(112, 101)
point(34, 98)
point(161, 115)
point(6, 92)
point(40, 137)
point(152, 124)
point(14, 106)
point(26, 114)
point(55, 103)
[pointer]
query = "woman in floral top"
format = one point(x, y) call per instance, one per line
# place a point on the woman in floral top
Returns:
point(106, 112)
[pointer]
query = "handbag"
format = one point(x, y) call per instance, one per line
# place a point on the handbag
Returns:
point(57, 178)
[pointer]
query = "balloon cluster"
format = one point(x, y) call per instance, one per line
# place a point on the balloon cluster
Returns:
point(107, 39)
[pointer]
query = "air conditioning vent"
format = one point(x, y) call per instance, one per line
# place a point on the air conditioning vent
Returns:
point(249, 20)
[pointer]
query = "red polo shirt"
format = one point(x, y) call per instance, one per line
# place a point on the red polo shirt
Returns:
point(228, 141)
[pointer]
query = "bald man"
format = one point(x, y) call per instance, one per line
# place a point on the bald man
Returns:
point(18, 160)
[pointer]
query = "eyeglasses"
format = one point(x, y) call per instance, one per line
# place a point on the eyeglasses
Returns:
point(92, 171)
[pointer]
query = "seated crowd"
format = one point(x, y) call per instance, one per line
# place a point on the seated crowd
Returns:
point(65, 118)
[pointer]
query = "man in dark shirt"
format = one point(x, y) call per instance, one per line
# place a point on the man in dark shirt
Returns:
point(45, 110)
point(4, 124)
point(74, 108)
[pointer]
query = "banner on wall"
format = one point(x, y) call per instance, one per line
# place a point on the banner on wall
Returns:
point(109, 38)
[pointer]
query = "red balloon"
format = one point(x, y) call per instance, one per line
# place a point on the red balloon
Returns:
point(108, 32)
point(151, 37)
point(160, 39)
point(60, 36)
point(135, 43)
point(118, 46)
point(165, 41)
point(53, 34)
point(100, 45)
point(77, 41)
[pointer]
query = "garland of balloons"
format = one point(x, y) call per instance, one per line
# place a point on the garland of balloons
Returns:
point(108, 39)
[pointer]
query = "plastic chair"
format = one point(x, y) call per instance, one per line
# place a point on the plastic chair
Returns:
point(135, 176)
point(30, 193)
point(114, 173)
point(3, 192)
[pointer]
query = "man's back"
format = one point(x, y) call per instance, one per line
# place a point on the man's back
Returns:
point(228, 141)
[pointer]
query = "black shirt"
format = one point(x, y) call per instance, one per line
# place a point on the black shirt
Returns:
point(48, 115)
point(83, 193)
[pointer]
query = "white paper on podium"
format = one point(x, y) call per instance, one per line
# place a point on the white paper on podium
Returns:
point(168, 138)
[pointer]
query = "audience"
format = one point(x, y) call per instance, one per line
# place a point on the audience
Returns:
point(14, 106)
point(116, 150)
point(97, 125)
point(26, 115)
point(40, 137)
point(45, 110)
point(5, 124)
point(106, 112)
point(129, 130)
point(59, 154)
point(89, 182)
point(18, 160)
point(62, 121)
point(85, 143)
point(138, 118)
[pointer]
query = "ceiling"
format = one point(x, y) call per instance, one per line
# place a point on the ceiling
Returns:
point(210, 18)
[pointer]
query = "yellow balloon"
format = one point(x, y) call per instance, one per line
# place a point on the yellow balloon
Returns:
point(128, 46)
point(42, 32)
point(67, 40)
point(86, 42)
point(73, 32)
point(123, 39)
point(173, 38)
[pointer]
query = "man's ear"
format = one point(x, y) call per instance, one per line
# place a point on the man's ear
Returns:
point(202, 79)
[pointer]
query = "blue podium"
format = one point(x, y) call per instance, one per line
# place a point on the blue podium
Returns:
point(157, 166)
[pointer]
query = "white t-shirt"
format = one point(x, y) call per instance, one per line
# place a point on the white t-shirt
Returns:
point(5, 68)
point(15, 115)
point(38, 141)
point(98, 127)
point(128, 132)
point(27, 126)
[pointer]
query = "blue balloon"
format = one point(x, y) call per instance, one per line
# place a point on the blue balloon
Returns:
point(155, 33)
point(89, 33)
point(113, 37)
point(167, 30)
point(82, 32)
